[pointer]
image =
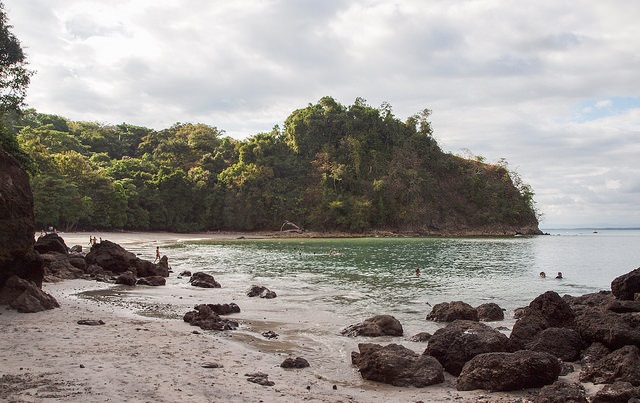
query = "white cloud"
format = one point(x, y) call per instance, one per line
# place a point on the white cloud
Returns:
point(551, 86)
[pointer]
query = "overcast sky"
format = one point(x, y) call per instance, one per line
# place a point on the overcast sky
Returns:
point(552, 86)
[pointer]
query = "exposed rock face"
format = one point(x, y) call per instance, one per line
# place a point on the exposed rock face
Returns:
point(462, 340)
point(379, 325)
point(450, 311)
point(396, 365)
point(621, 365)
point(490, 312)
point(127, 278)
point(203, 280)
point(509, 371)
point(562, 392)
point(260, 291)
point(17, 255)
point(626, 286)
point(61, 266)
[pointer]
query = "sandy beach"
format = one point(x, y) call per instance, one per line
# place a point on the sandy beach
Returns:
point(145, 352)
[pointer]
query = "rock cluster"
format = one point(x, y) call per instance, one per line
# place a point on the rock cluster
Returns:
point(601, 330)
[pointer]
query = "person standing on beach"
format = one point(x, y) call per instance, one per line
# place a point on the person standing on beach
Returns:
point(157, 254)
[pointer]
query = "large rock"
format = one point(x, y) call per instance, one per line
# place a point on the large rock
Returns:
point(204, 317)
point(203, 280)
point(379, 325)
point(626, 286)
point(260, 291)
point(562, 392)
point(114, 258)
point(61, 266)
point(617, 392)
point(509, 371)
point(24, 296)
point(621, 365)
point(563, 343)
point(614, 330)
point(51, 243)
point(545, 311)
point(396, 365)
point(490, 312)
point(17, 255)
point(450, 311)
point(462, 340)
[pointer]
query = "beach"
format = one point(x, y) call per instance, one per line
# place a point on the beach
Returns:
point(145, 352)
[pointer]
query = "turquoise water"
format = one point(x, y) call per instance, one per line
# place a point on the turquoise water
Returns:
point(377, 275)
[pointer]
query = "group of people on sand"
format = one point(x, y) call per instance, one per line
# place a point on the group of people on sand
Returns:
point(544, 275)
point(93, 240)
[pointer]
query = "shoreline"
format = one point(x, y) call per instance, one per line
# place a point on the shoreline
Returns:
point(146, 352)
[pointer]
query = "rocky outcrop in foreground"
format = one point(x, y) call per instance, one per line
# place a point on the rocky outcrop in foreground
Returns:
point(600, 330)
point(21, 272)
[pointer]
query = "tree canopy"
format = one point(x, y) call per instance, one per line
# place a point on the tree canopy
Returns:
point(331, 167)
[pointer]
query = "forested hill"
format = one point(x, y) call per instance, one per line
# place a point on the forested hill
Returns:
point(331, 168)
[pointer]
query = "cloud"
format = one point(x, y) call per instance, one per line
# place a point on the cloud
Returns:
point(550, 86)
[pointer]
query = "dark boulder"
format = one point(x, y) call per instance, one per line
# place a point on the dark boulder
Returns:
point(490, 312)
point(224, 309)
point(396, 365)
point(622, 365)
point(17, 254)
point(185, 273)
point(297, 362)
point(260, 291)
point(562, 392)
point(203, 280)
point(421, 337)
point(376, 326)
point(153, 281)
point(24, 296)
point(60, 266)
point(462, 340)
point(562, 343)
point(127, 278)
point(450, 311)
point(51, 243)
point(595, 352)
point(545, 311)
point(145, 268)
point(621, 306)
point(207, 319)
point(111, 256)
point(617, 392)
point(509, 371)
point(626, 286)
point(614, 330)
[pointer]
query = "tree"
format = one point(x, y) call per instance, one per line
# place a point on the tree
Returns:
point(14, 80)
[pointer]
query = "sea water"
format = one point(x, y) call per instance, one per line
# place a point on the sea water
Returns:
point(367, 276)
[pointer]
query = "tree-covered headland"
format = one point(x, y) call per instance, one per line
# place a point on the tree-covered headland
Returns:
point(331, 167)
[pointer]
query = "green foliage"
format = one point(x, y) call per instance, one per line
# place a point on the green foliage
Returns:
point(332, 167)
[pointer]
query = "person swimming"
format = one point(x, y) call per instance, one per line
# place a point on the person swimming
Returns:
point(559, 275)
point(543, 274)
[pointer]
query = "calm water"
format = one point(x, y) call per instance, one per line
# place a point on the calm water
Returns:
point(377, 275)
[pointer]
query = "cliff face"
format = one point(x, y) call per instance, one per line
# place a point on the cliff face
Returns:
point(17, 255)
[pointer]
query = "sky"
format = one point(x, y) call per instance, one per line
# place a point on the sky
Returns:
point(551, 86)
